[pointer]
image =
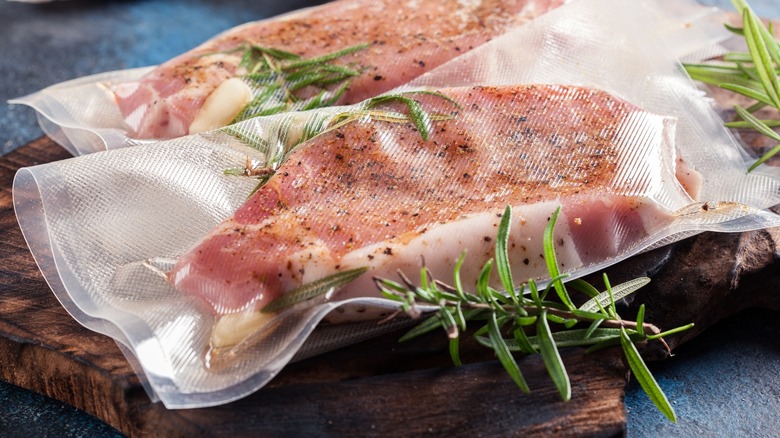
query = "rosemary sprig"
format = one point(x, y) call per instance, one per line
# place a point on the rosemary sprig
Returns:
point(280, 141)
point(512, 315)
point(753, 74)
point(277, 78)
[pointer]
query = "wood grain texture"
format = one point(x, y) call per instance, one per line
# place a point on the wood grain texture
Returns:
point(376, 388)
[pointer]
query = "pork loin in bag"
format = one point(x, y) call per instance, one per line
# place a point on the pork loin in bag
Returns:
point(338, 53)
point(374, 193)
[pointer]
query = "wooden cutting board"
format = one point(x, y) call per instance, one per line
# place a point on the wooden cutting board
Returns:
point(378, 387)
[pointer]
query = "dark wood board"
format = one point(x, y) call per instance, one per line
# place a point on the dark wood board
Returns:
point(378, 387)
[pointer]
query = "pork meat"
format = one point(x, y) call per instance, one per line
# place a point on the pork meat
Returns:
point(373, 193)
point(402, 40)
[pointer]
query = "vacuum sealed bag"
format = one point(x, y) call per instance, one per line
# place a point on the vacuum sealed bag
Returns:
point(187, 250)
point(338, 53)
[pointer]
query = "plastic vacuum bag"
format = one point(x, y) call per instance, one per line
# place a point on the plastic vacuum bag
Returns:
point(339, 53)
point(110, 230)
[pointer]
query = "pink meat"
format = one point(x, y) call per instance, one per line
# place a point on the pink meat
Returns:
point(374, 193)
point(407, 38)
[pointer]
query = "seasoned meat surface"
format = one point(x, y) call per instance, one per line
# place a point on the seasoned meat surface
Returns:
point(374, 193)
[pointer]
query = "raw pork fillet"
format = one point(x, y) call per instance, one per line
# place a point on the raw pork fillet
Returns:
point(373, 193)
point(405, 39)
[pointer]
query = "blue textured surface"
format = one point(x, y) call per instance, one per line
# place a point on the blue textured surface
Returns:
point(725, 383)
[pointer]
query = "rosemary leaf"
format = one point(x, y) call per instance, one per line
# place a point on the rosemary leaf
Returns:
point(640, 320)
point(424, 276)
point(456, 275)
point(741, 57)
point(390, 289)
point(535, 294)
point(482, 282)
point(743, 124)
point(322, 98)
point(552, 358)
point(645, 378)
point(522, 342)
point(587, 336)
point(504, 356)
point(307, 80)
point(554, 318)
point(502, 253)
point(772, 152)
point(764, 129)
point(759, 95)
point(427, 326)
point(448, 323)
point(433, 323)
point(734, 29)
point(749, 72)
point(316, 288)
point(455, 351)
point(756, 107)
point(717, 75)
point(525, 320)
point(583, 314)
point(603, 344)
point(277, 53)
point(671, 332)
point(327, 57)
point(756, 124)
point(420, 118)
point(761, 55)
point(568, 338)
point(460, 318)
point(612, 309)
point(552, 261)
point(592, 328)
point(334, 96)
point(619, 292)
point(584, 287)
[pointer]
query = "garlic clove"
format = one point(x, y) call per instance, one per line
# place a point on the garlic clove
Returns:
point(222, 106)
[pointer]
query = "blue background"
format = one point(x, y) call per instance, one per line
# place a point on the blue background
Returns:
point(724, 383)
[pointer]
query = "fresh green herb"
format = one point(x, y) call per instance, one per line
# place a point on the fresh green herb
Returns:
point(282, 81)
point(511, 315)
point(306, 292)
point(282, 139)
point(753, 74)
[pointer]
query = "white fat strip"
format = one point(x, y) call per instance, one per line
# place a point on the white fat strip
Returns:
point(441, 245)
point(222, 106)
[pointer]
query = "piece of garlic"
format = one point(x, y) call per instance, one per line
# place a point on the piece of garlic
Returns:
point(222, 106)
point(234, 328)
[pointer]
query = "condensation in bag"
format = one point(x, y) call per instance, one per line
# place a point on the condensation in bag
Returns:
point(112, 262)
point(339, 53)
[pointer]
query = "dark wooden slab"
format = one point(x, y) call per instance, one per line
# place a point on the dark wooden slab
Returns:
point(378, 387)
